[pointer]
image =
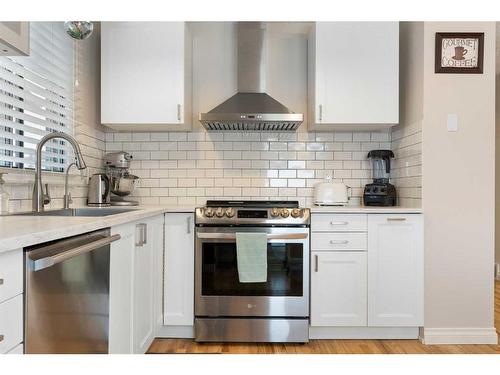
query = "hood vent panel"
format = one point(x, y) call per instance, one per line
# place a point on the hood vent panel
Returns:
point(257, 126)
point(251, 108)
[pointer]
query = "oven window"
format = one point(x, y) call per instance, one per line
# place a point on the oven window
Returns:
point(284, 271)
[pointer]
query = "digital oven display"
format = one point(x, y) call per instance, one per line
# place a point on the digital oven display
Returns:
point(252, 214)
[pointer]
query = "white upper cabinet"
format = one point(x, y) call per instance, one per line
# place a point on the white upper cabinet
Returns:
point(395, 270)
point(353, 76)
point(14, 38)
point(146, 76)
point(179, 270)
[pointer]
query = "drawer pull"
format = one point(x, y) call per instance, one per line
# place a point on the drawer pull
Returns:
point(396, 219)
point(316, 263)
point(339, 222)
point(1, 281)
point(339, 242)
point(1, 338)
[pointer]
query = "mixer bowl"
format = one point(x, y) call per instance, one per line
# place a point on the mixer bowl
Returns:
point(124, 185)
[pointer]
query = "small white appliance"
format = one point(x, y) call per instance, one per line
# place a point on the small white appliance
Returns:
point(330, 193)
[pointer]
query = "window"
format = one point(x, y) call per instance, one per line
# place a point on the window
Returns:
point(36, 97)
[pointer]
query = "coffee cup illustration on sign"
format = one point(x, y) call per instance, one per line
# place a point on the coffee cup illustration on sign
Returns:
point(460, 52)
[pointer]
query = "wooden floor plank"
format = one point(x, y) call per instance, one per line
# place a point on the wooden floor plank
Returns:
point(178, 346)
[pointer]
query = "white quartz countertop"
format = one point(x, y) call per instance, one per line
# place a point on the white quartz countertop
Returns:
point(17, 231)
point(364, 209)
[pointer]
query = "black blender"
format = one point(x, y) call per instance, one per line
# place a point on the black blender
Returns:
point(380, 192)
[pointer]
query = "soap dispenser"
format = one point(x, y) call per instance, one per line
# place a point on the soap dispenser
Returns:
point(4, 197)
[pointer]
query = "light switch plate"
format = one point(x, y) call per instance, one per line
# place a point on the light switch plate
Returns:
point(452, 123)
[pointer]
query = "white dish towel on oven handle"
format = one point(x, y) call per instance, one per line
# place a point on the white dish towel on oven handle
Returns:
point(251, 256)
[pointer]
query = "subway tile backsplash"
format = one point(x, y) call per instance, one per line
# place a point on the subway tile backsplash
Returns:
point(191, 167)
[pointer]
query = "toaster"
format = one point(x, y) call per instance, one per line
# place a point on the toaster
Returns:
point(331, 194)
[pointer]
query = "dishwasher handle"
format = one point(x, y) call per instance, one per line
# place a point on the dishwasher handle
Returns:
point(43, 263)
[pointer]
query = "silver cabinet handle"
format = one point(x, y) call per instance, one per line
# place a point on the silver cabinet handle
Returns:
point(316, 263)
point(1, 338)
point(339, 222)
point(396, 219)
point(179, 112)
point(143, 234)
point(1, 281)
point(339, 242)
point(42, 263)
point(320, 112)
point(188, 224)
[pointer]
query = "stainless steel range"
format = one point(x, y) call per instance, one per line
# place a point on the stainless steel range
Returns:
point(276, 310)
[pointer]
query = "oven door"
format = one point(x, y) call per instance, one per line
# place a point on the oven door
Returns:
point(218, 292)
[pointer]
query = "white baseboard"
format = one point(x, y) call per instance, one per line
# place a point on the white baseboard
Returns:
point(175, 332)
point(443, 336)
point(367, 333)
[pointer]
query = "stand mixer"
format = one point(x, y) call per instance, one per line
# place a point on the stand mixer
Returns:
point(121, 181)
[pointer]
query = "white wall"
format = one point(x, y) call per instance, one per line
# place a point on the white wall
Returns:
point(459, 191)
point(497, 165)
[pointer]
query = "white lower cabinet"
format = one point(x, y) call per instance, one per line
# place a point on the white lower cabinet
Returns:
point(395, 270)
point(132, 314)
point(338, 289)
point(379, 287)
point(178, 301)
point(11, 323)
point(149, 242)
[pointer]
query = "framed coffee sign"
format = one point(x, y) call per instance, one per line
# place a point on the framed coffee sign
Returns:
point(459, 53)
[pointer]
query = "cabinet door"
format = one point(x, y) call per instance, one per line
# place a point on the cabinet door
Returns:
point(338, 289)
point(357, 73)
point(142, 72)
point(178, 300)
point(395, 270)
point(121, 290)
point(148, 241)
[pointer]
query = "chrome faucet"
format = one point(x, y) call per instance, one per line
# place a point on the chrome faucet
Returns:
point(38, 196)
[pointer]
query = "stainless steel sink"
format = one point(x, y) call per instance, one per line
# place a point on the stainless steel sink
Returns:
point(89, 212)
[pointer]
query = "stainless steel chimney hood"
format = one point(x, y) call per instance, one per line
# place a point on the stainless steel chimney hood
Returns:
point(251, 108)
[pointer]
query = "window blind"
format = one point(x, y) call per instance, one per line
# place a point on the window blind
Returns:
point(36, 97)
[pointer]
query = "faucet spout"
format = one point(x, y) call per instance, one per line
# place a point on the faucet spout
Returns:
point(38, 204)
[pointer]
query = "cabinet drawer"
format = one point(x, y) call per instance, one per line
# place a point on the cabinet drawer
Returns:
point(11, 323)
point(338, 222)
point(11, 274)
point(338, 241)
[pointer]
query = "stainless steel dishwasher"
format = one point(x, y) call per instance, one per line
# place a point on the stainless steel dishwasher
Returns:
point(67, 294)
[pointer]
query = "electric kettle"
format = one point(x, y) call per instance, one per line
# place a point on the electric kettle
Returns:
point(99, 190)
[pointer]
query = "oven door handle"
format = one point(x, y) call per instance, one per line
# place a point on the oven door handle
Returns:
point(232, 236)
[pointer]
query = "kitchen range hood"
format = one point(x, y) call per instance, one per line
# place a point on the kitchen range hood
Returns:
point(251, 108)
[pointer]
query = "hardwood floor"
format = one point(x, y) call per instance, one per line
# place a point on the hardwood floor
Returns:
point(177, 346)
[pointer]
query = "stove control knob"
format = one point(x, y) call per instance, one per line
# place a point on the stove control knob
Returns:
point(284, 213)
point(209, 212)
point(219, 212)
point(230, 212)
point(296, 212)
point(275, 212)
